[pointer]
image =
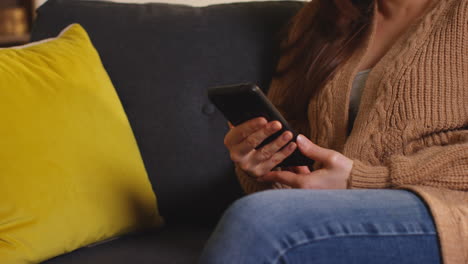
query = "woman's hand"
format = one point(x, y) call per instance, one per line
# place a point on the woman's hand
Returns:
point(241, 141)
point(334, 174)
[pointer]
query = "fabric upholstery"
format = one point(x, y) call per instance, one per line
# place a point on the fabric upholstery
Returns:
point(173, 244)
point(161, 59)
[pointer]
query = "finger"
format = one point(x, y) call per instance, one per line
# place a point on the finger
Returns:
point(312, 150)
point(284, 177)
point(255, 139)
point(230, 125)
point(238, 133)
point(267, 151)
point(277, 158)
point(262, 168)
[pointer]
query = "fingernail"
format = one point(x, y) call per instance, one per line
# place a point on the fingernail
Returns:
point(262, 121)
point(292, 146)
point(260, 124)
point(300, 138)
point(275, 126)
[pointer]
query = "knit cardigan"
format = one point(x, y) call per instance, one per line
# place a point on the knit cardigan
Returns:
point(411, 130)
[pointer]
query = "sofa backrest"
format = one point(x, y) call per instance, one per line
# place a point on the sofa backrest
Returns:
point(161, 59)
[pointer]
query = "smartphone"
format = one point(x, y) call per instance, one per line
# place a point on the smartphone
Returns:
point(242, 102)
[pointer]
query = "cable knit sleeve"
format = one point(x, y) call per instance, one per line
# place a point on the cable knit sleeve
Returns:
point(437, 166)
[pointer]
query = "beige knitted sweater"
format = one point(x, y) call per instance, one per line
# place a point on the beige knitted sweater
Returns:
point(411, 130)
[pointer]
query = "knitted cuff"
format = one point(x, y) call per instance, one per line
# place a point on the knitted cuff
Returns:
point(368, 177)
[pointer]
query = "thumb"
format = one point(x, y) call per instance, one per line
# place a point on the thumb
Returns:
point(312, 150)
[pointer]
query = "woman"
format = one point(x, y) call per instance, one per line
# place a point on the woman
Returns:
point(379, 90)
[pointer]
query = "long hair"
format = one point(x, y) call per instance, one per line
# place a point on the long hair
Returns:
point(317, 40)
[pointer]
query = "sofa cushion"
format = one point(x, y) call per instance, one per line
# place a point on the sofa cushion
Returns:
point(161, 59)
point(173, 244)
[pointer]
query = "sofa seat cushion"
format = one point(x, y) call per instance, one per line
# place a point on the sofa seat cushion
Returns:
point(172, 244)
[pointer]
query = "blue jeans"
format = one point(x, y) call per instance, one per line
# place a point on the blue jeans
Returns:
point(321, 226)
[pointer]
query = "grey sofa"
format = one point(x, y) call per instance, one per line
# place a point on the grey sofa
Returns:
point(161, 59)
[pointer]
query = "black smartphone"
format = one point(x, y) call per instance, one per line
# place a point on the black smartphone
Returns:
point(242, 102)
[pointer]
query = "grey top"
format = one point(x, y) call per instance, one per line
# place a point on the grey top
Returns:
point(355, 98)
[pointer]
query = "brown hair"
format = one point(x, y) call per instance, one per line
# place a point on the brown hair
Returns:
point(320, 37)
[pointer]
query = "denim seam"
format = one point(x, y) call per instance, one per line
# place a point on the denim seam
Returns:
point(309, 241)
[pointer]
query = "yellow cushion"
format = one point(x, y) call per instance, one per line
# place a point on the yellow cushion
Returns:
point(70, 170)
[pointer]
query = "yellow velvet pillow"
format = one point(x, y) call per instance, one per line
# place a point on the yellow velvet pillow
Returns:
point(70, 170)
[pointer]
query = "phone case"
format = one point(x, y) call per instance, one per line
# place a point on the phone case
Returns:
point(242, 102)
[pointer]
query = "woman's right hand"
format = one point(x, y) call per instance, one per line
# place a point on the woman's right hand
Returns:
point(241, 141)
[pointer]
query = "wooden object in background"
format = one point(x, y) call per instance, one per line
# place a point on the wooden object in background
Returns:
point(16, 18)
point(13, 21)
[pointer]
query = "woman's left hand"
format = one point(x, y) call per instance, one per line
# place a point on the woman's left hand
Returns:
point(333, 175)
